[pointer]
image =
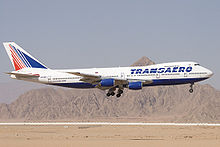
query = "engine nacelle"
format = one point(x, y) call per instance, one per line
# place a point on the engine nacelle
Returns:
point(135, 85)
point(107, 82)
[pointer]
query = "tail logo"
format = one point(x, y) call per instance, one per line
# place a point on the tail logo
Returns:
point(21, 60)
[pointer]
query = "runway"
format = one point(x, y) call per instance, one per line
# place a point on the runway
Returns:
point(108, 134)
point(103, 123)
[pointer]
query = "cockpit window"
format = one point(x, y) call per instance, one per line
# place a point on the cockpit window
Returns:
point(196, 64)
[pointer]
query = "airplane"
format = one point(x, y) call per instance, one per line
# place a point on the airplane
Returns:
point(112, 79)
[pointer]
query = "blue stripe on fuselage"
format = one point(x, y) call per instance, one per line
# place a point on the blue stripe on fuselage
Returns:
point(74, 85)
point(156, 82)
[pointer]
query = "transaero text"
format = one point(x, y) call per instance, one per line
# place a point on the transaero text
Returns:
point(161, 70)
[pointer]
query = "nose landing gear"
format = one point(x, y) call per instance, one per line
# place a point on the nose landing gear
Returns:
point(191, 88)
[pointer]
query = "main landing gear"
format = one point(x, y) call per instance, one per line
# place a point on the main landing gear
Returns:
point(191, 88)
point(120, 91)
point(112, 93)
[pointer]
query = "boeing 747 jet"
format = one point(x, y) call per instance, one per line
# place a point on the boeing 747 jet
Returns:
point(114, 79)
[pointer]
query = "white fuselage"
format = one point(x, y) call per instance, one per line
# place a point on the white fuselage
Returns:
point(29, 68)
point(160, 74)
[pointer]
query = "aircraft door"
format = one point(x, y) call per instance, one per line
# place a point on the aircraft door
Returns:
point(49, 79)
point(157, 75)
point(122, 75)
point(186, 74)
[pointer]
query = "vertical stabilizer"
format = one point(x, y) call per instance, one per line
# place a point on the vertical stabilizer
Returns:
point(20, 58)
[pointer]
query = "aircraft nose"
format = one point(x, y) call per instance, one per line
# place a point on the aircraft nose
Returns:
point(210, 73)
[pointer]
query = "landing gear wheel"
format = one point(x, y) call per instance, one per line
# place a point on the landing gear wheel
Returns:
point(120, 91)
point(191, 90)
point(108, 94)
point(112, 93)
point(118, 95)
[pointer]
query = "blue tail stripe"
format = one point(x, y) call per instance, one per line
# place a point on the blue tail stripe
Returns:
point(16, 51)
point(33, 63)
point(22, 58)
point(28, 64)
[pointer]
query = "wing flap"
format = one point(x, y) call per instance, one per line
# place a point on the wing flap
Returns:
point(89, 78)
point(84, 75)
point(143, 81)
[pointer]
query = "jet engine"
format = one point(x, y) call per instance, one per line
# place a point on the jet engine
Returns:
point(107, 82)
point(135, 85)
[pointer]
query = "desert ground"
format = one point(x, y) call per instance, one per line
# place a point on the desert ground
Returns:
point(109, 136)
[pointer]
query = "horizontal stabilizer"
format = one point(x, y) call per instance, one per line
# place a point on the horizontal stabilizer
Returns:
point(24, 75)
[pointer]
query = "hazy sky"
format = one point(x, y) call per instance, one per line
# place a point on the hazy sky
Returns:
point(81, 34)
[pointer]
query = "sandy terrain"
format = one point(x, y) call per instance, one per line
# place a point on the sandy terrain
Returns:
point(108, 136)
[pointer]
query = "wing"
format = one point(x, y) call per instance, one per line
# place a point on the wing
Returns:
point(85, 75)
point(88, 78)
point(95, 79)
point(23, 75)
point(143, 81)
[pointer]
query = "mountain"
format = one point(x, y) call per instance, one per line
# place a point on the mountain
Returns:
point(11, 90)
point(151, 104)
point(143, 61)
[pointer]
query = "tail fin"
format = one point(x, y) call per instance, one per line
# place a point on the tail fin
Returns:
point(20, 58)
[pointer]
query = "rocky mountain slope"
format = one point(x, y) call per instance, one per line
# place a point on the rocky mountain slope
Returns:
point(160, 104)
point(11, 90)
point(143, 61)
